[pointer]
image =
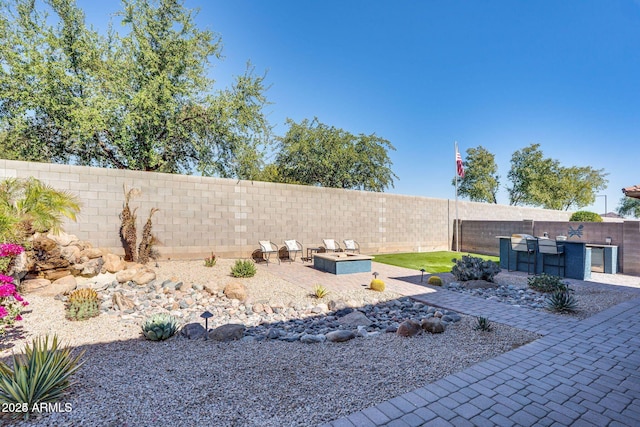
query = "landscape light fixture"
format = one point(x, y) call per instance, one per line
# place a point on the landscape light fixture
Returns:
point(206, 316)
point(375, 274)
point(422, 270)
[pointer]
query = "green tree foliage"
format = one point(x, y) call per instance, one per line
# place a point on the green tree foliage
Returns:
point(313, 153)
point(585, 216)
point(137, 100)
point(28, 206)
point(629, 206)
point(481, 179)
point(539, 181)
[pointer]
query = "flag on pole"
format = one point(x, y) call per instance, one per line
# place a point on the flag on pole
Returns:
point(459, 166)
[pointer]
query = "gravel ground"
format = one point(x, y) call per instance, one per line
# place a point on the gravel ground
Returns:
point(126, 380)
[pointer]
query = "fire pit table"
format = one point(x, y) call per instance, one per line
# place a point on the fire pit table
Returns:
point(342, 262)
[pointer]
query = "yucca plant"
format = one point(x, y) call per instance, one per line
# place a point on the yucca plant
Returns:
point(243, 268)
point(483, 324)
point(210, 261)
point(41, 375)
point(320, 291)
point(159, 327)
point(562, 301)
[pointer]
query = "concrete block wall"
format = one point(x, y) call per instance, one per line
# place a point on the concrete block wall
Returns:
point(631, 244)
point(201, 214)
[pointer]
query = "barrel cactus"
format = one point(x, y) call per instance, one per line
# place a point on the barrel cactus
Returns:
point(377, 285)
point(159, 327)
point(435, 281)
point(82, 304)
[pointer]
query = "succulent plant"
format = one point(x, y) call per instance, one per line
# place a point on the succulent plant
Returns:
point(474, 268)
point(377, 285)
point(243, 268)
point(159, 327)
point(547, 283)
point(210, 261)
point(82, 304)
point(483, 324)
point(435, 281)
point(320, 291)
point(562, 301)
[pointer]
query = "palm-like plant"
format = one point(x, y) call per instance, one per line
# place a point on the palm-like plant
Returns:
point(29, 205)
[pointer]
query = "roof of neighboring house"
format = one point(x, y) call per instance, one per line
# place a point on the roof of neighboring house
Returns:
point(632, 191)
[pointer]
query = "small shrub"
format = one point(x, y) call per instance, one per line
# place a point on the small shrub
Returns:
point(377, 285)
point(82, 304)
point(483, 324)
point(243, 268)
point(547, 283)
point(41, 375)
point(210, 261)
point(585, 216)
point(320, 291)
point(474, 268)
point(562, 301)
point(435, 281)
point(159, 327)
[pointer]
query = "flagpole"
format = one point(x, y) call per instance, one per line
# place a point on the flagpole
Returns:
point(455, 146)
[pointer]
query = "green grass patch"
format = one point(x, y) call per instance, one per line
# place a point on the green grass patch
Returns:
point(432, 262)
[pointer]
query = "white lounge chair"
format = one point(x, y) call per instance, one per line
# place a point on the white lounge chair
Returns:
point(331, 245)
point(293, 247)
point(268, 248)
point(351, 246)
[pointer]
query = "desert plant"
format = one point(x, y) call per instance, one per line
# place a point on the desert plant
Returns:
point(320, 291)
point(547, 283)
point(41, 375)
point(11, 303)
point(27, 205)
point(210, 261)
point(474, 268)
point(562, 301)
point(82, 304)
point(147, 249)
point(435, 281)
point(159, 327)
point(243, 268)
point(377, 285)
point(483, 324)
point(128, 232)
point(585, 216)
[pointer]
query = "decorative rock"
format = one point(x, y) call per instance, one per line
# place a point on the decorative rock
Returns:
point(408, 328)
point(193, 331)
point(340, 336)
point(211, 288)
point(236, 291)
point(42, 243)
point(122, 302)
point(437, 314)
point(70, 253)
point(144, 276)
point(91, 253)
point(62, 238)
point(33, 285)
point(312, 339)
point(54, 275)
point(126, 275)
point(227, 332)
point(92, 267)
point(63, 285)
point(433, 325)
point(354, 319)
point(113, 263)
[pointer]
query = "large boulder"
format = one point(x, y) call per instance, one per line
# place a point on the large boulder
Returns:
point(113, 263)
point(70, 253)
point(433, 325)
point(33, 285)
point(61, 286)
point(62, 238)
point(193, 331)
point(229, 332)
point(341, 335)
point(126, 275)
point(42, 243)
point(91, 268)
point(144, 276)
point(236, 291)
point(56, 274)
point(91, 253)
point(408, 328)
point(354, 319)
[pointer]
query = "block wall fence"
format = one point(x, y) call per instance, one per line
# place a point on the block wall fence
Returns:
point(199, 215)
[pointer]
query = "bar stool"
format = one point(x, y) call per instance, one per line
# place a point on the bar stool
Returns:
point(522, 244)
point(556, 250)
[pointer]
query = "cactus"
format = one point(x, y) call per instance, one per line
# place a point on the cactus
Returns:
point(435, 281)
point(83, 304)
point(377, 285)
point(159, 327)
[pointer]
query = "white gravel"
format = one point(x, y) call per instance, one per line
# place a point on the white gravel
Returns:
point(128, 381)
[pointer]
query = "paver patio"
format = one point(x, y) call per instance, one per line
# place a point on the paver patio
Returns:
point(580, 373)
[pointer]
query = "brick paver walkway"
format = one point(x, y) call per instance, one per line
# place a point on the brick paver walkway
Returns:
point(580, 373)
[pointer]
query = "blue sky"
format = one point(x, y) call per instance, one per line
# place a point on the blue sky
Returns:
point(423, 74)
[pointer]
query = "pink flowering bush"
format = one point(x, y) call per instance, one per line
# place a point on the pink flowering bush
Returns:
point(11, 302)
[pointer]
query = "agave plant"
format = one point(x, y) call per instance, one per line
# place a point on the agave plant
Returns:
point(320, 291)
point(159, 327)
point(562, 301)
point(41, 375)
point(483, 324)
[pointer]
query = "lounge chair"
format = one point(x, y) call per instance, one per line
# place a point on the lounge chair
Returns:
point(351, 246)
point(293, 247)
point(331, 245)
point(268, 248)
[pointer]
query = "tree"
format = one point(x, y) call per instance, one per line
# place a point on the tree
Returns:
point(481, 180)
point(28, 206)
point(140, 101)
point(629, 206)
point(539, 181)
point(313, 153)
